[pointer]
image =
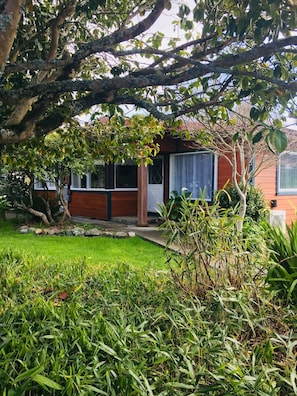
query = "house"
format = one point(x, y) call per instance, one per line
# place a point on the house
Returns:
point(117, 190)
point(278, 181)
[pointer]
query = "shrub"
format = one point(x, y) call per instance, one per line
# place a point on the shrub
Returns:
point(256, 206)
point(68, 330)
point(174, 203)
point(282, 276)
point(210, 253)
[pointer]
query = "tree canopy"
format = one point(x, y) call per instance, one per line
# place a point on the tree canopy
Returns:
point(60, 58)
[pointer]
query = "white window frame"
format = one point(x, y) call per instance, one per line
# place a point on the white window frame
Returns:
point(200, 152)
point(88, 180)
point(50, 185)
point(282, 190)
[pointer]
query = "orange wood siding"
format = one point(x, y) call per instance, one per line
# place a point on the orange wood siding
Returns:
point(89, 204)
point(224, 172)
point(123, 203)
point(266, 181)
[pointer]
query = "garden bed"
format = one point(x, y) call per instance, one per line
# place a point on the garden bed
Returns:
point(74, 230)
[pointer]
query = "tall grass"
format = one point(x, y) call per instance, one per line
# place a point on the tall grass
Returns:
point(73, 330)
point(214, 255)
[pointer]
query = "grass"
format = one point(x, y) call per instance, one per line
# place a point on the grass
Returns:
point(95, 251)
point(72, 330)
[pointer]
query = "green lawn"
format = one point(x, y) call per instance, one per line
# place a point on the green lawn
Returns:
point(97, 251)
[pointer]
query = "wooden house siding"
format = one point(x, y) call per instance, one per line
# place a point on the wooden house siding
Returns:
point(90, 204)
point(224, 172)
point(123, 203)
point(266, 181)
point(114, 202)
point(103, 205)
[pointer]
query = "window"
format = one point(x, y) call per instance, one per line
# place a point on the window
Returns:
point(193, 171)
point(126, 175)
point(38, 185)
point(78, 181)
point(97, 178)
point(91, 180)
point(287, 173)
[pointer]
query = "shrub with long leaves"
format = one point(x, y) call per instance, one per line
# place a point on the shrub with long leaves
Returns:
point(69, 330)
point(282, 275)
point(209, 251)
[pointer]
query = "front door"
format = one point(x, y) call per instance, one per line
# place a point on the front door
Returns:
point(155, 191)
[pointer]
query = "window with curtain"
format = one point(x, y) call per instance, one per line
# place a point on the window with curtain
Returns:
point(194, 172)
point(287, 173)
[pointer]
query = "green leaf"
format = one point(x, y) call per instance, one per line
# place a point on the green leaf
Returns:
point(42, 380)
point(279, 140)
point(291, 290)
point(108, 350)
point(95, 389)
point(29, 373)
point(254, 113)
point(181, 385)
point(277, 72)
point(235, 137)
point(257, 137)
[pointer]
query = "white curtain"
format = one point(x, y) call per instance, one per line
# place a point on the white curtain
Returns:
point(193, 171)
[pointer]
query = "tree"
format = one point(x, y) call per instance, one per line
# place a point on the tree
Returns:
point(74, 148)
point(60, 58)
point(244, 145)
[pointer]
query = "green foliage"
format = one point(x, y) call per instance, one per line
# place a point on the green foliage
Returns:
point(174, 203)
point(256, 207)
point(68, 59)
point(210, 253)
point(70, 330)
point(75, 149)
point(282, 275)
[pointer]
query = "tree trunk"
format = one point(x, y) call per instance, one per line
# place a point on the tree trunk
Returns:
point(41, 215)
point(47, 208)
point(62, 201)
point(9, 21)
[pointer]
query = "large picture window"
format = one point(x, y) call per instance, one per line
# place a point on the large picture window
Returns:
point(91, 180)
point(287, 173)
point(194, 172)
point(126, 175)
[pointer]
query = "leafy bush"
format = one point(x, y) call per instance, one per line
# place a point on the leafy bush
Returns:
point(256, 206)
point(209, 252)
point(174, 203)
point(70, 330)
point(282, 276)
point(18, 187)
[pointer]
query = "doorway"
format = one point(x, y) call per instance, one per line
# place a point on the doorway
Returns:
point(155, 193)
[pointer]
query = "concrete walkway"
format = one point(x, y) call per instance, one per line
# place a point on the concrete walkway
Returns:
point(150, 233)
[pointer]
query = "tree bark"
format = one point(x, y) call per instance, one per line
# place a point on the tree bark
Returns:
point(41, 215)
point(9, 19)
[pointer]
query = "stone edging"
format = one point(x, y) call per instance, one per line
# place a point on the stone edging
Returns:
point(75, 231)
